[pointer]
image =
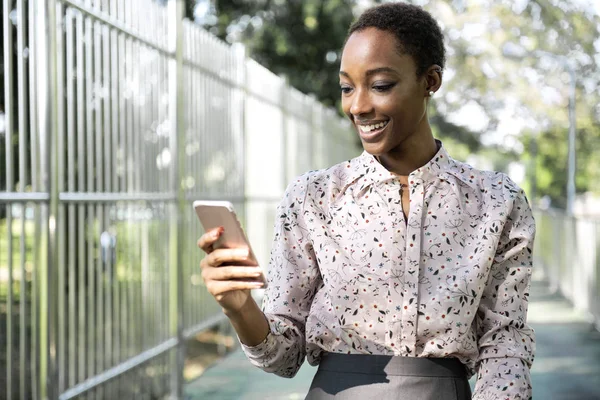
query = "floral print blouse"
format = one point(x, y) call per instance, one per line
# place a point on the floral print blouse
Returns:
point(349, 274)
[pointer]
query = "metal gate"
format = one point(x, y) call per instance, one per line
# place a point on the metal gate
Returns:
point(116, 115)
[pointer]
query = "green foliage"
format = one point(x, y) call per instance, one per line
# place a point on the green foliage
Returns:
point(299, 39)
point(523, 97)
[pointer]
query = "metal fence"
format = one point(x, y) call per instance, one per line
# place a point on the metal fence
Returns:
point(117, 114)
point(568, 250)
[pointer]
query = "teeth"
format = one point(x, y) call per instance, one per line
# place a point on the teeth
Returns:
point(369, 128)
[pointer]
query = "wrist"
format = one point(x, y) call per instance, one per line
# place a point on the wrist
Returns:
point(248, 308)
point(249, 322)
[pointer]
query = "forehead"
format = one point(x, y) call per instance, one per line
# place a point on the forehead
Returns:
point(373, 48)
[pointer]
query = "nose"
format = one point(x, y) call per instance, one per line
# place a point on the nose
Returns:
point(361, 104)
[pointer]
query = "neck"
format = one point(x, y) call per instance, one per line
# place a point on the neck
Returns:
point(410, 155)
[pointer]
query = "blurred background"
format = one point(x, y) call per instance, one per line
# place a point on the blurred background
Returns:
point(116, 114)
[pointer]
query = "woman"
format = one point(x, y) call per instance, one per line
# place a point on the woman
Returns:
point(401, 272)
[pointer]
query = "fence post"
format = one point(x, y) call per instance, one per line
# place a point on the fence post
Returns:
point(175, 28)
point(45, 56)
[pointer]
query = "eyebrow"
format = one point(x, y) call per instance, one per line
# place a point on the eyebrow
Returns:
point(373, 71)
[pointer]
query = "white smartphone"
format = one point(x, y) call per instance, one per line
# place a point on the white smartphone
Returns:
point(213, 214)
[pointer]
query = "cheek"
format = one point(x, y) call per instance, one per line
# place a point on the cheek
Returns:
point(392, 105)
point(346, 103)
point(405, 105)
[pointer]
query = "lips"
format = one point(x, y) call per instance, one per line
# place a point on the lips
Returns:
point(372, 132)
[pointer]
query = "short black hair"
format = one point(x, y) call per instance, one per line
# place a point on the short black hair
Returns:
point(418, 33)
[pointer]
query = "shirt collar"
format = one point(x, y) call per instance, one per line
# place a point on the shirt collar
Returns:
point(365, 170)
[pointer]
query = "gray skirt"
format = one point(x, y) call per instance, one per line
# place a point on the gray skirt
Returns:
point(357, 377)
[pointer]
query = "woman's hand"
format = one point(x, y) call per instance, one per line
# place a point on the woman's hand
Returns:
point(229, 274)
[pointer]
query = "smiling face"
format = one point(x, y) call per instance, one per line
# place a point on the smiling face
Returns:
point(381, 93)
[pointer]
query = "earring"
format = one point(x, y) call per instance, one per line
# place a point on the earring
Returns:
point(431, 93)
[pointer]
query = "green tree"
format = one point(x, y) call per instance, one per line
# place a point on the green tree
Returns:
point(515, 100)
point(301, 39)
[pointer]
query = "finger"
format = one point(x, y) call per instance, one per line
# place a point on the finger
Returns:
point(209, 238)
point(218, 288)
point(231, 273)
point(220, 257)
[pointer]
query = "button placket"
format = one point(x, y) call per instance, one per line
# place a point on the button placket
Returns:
point(390, 193)
point(410, 304)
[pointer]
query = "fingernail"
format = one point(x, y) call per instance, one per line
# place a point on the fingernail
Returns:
point(216, 233)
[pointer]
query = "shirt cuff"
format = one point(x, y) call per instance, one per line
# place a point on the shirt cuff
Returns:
point(264, 347)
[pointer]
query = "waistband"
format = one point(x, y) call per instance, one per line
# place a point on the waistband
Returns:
point(392, 365)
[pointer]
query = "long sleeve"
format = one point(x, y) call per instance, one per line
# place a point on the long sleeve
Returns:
point(506, 342)
point(293, 278)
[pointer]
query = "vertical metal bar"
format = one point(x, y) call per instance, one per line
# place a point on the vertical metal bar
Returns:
point(86, 236)
point(145, 299)
point(114, 75)
point(106, 187)
point(245, 94)
point(106, 91)
point(23, 144)
point(22, 54)
point(130, 115)
point(136, 86)
point(8, 121)
point(122, 299)
point(176, 9)
point(201, 110)
point(71, 132)
point(31, 61)
point(83, 126)
point(96, 157)
point(34, 331)
point(119, 124)
point(114, 46)
point(76, 213)
point(131, 326)
point(45, 62)
point(160, 186)
point(57, 184)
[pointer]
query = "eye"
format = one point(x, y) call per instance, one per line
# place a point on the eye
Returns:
point(383, 87)
point(346, 89)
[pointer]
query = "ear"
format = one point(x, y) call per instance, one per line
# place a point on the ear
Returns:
point(433, 79)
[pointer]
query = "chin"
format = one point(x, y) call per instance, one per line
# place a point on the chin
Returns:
point(375, 149)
